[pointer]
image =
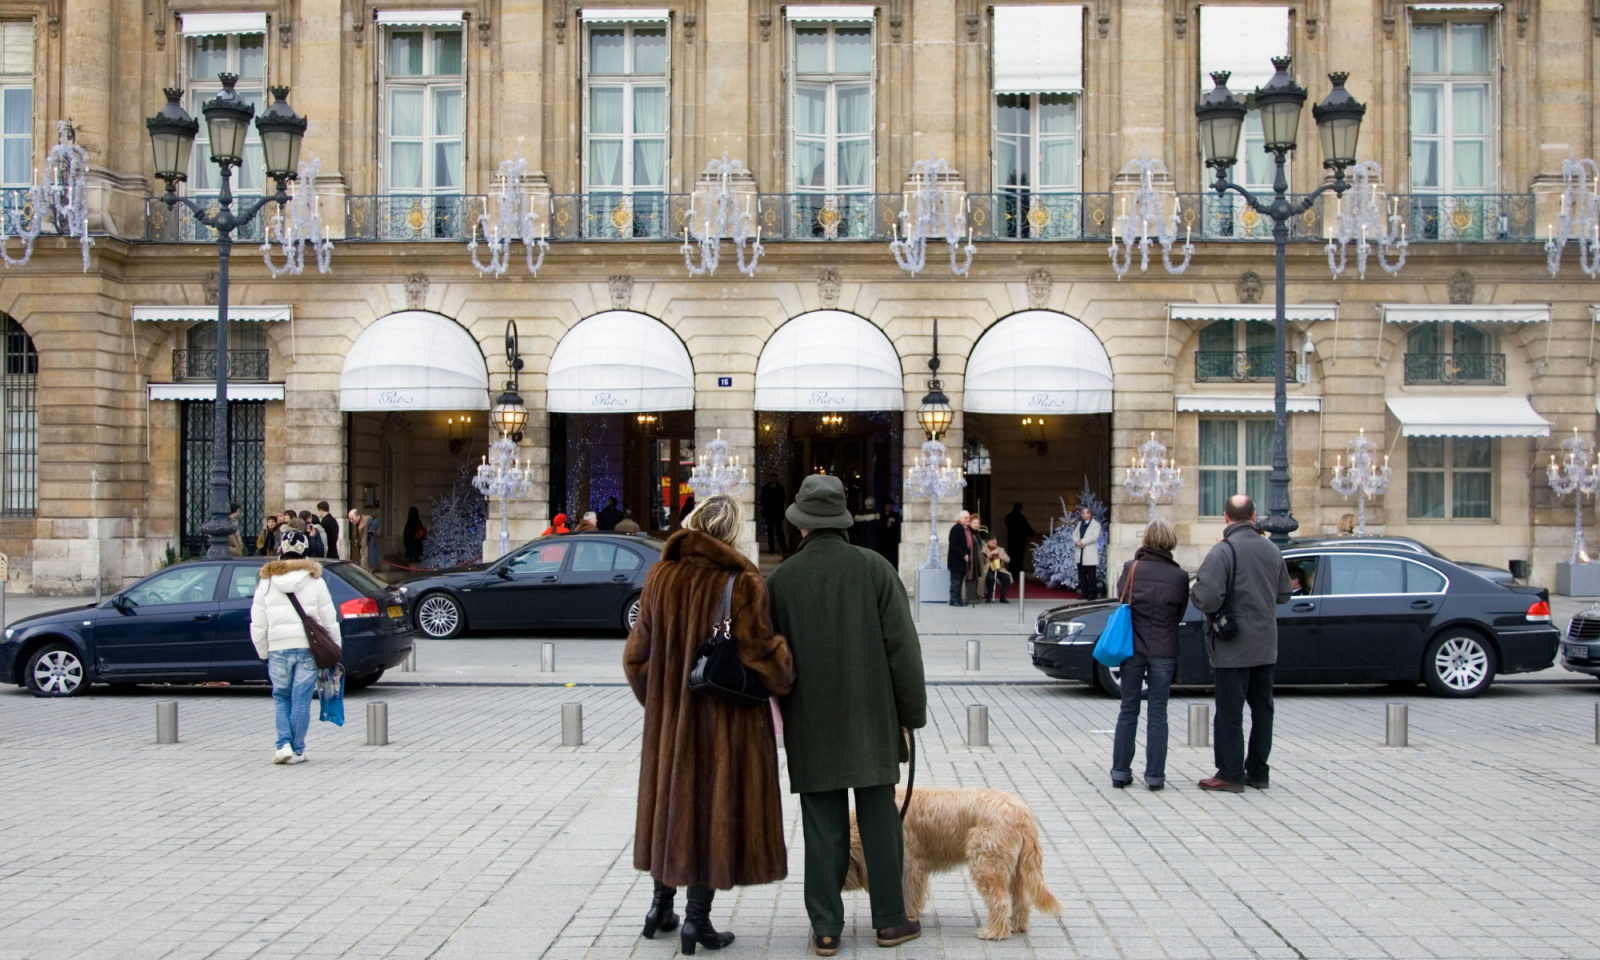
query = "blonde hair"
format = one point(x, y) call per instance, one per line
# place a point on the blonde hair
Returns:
point(721, 516)
point(1160, 535)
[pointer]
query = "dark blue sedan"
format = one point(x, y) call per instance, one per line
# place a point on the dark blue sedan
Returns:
point(190, 623)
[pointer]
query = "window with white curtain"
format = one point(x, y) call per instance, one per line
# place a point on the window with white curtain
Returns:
point(16, 103)
point(1243, 40)
point(831, 107)
point(1450, 478)
point(626, 108)
point(1235, 457)
point(424, 110)
point(1036, 142)
point(1221, 343)
point(243, 54)
point(1453, 97)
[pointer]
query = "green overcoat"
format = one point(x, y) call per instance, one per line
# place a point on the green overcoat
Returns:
point(857, 663)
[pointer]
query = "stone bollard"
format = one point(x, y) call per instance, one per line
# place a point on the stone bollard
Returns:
point(547, 658)
point(974, 654)
point(167, 721)
point(977, 725)
point(572, 724)
point(1397, 731)
point(377, 724)
point(1199, 725)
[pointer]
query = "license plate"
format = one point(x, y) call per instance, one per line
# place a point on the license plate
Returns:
point(395, 613)
point(1578, 652)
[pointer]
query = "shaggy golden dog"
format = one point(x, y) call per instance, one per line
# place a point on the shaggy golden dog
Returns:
point(990, 831)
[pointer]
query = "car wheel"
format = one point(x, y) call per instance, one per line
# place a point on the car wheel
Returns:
point(630, 613)
point(364, 681)
point(1458, 665)
point(57, 670)
point(440, 616)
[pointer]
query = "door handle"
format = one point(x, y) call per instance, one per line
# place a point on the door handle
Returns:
point(619, 578)
point(202, 617)
point(550, 579)
point(1303, 607)
point(1422, 604)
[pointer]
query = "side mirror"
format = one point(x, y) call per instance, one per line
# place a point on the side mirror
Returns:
point(504, 572)
point(120, 603)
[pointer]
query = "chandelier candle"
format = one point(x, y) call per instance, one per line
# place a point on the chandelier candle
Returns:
point(1152, 476)
point(1361, 476)
point(1576, 474)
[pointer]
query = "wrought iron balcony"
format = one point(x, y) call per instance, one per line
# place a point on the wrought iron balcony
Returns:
point(177, 224)
point(1470, 368)
point(1466, 218)
point(243, 365)
point(1239, 366)
point(409, 219)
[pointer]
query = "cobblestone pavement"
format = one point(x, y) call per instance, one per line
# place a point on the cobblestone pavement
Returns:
point(475, 835)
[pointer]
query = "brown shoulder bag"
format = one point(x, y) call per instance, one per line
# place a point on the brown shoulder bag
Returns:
point(323, 648)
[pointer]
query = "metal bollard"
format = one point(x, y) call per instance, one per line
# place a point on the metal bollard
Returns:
point(977, 725)
point(1397, 732)
point(974, 654)
point(1199, 725)
point(547, 658)
point(572, 724)
point(166, 721)
point(377, 724)
point(916, 597)
point(409, 664)
point(1597, 723)
point(1022, 597)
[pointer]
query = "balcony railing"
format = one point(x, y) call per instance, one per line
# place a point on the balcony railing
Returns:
point(1469, 217)
point(177, 224)
point(408, 219)
point(1481, 368)
point(243, 365)
point(1239, 366)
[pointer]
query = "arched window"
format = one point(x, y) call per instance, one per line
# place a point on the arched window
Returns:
point(19, 424)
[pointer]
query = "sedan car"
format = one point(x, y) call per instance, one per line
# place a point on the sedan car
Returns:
point(1368, 615)
point(1497, 574)
point(190, 623)
point(567, 580)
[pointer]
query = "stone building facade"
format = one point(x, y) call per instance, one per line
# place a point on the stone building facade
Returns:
point(1467, 366)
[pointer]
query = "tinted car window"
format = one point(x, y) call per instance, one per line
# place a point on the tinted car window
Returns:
point(1302, 575)
point(626, 560)
point(1366, 575)
point(182, 584)
point(1421, 579)
point(242, 582)
point(358, 576)
point(545, 558)
point(589, 557)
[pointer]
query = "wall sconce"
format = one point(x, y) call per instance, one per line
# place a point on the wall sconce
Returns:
point(1033, 435)
point(831, 423)
point(647, 422)
point(460, 432)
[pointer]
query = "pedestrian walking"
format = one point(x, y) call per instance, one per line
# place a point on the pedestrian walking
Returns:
point(364, 539)
point(316, 545)
point(710, 810)
point(414, 533)
point(280, 638)
point(1245, 577)
point(1087, 543)
point(773, 499)
point(589, 523)
point(959, 558)
point(330, 530)
point(235, 541)
point(1156, 591)
point(1018, 530)
point(609, 515)
point(858, 689)
point(996, 578)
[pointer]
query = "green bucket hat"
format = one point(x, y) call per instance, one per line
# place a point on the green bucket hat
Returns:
point(820, 505)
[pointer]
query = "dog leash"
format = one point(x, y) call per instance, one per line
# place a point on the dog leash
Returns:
point(911, 773)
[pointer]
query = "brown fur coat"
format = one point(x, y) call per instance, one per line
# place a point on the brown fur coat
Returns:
point(710, 807)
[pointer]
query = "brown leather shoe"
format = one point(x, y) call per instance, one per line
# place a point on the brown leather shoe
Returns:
point(902, 932)
point(1216, 783)
point(825, 946)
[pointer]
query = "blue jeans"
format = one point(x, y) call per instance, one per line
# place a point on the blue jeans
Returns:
point(294, 679)
point(1135, 670)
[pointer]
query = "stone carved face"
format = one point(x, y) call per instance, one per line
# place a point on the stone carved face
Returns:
point(1039, 284)
point(828, 284)
point(1249, 288)
point(621, 287)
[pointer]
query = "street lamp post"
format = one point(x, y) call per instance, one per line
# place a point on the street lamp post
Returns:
point(1221, 116)
point(172, 133)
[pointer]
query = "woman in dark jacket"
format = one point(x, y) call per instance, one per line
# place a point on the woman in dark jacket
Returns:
point(1157, 597)
point(413, 534)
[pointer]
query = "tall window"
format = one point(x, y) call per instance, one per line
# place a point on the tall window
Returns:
point(1036, 142)
point(424, 110)
point(832, 115)
point(1235, 350)
point(1450, 477)
point(1235, 457)
point(1453, 148)
point(243, 54)
point(16, 103)
point(1451, 353)
point(626, 114)
point(19, 424)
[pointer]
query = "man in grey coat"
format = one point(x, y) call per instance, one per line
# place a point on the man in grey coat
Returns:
point(1245, 573)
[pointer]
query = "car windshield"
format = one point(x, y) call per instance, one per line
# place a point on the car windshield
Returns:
point(358, 577)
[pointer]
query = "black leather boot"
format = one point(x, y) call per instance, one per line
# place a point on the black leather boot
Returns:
point(661, 916)
point(697, 927)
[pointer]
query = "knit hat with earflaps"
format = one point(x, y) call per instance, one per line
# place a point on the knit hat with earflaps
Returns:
point(292, 543)
point(820, 505)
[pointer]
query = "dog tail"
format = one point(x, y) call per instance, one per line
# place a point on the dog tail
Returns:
point(1031, 866)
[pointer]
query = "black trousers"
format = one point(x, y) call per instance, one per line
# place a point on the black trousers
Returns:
point(1235, 687)
point(825, 818)
point(996, 583)
point(1088, 581)
point(958, 586)
point(777, 542)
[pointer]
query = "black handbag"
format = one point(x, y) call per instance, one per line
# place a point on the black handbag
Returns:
point(1224, 626)
point(717, 671)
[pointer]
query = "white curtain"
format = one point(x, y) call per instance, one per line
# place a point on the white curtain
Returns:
point(649, 109)
point(605, 117)
point(854, 116)
point(649, 153)
point(448, 121)
point(405, 156)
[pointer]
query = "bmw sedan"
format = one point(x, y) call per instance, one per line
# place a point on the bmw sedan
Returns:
point(190, 623)
point(582, 580)
point(1368, 615)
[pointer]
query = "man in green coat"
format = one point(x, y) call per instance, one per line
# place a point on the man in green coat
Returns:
point(858, 685)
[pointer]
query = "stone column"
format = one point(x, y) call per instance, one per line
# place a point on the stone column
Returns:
point(933, 111)
point(726, 53)
point(1561, 96)
point(316, 54)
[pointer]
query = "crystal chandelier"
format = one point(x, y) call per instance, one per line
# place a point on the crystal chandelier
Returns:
point(1362, 475)
point(718, 472)
point(1366, 223)
point(932, 475)
point(1147, 211)
point(722, 220)
point(1579, 218)
point(1576, 473)
point(65, 199)
point(515, 221)
point(503, 475)
point(1152, 475)
point(929, 211)
point(299, 223)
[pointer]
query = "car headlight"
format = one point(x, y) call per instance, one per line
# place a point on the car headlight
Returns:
point(1065, 632)
point(9, 632)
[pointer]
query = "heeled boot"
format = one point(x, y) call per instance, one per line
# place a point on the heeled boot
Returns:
point(697, 927)
point(660, 917)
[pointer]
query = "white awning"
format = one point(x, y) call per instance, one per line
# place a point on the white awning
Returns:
point(1465, 313)
point(1038, 49)
point(1243, 41)
point(1264, 313)
point(419, 18)
point(414, 360)
point(620, 362)
point(622, 14)
point(1438, 7)
point(833, 14)
point(1038, 361)
point(186, 314)
point(829, 360)
point(1467, 417)
point(1211, 403)
point(208, 391)
point(220, 24)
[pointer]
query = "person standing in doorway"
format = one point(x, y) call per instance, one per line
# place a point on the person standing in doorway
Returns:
point(364, 539)
point(414, 534)
point(330, 530)
point(609, 516)
point(959, 558)
point(627, 524)
point(1245, 575)
point(890, 541)
point(773, 499)
point(1018, 530)
point(1087, 542)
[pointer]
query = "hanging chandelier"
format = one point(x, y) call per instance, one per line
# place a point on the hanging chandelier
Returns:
point(515, 220)
point(722, 221)
point(1152, 475)
point(298, 223)
point(929, 211)
point(1579, 218)
point(718, 472)
point(1147, 211)
point(1366, 222)
point(64, 199)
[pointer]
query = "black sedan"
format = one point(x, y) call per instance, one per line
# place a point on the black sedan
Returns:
point(568, 580)
point(1497, 574)
point(1369, 615)
point(190, 623)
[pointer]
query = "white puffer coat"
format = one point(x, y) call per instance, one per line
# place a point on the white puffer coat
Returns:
point(273, 623)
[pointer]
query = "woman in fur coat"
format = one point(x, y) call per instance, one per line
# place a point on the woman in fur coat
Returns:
point(710, 813)
point(280, 637)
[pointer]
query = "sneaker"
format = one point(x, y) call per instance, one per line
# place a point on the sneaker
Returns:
point(283, 754)
point(297, 758)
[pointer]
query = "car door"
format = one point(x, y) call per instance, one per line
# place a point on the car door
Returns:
point(526, 590)
point(1373, 628)
point(598, 582)
point(233, 655)
point(1300, 623)
point(161, 627)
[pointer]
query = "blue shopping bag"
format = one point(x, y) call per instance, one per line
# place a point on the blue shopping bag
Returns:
point(330, 692)
point(1116, 640)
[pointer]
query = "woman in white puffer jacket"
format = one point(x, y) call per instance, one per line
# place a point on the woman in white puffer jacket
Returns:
point(280, 638)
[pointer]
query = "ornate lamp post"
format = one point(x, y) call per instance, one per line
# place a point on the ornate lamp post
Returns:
point(1362, 475)
point(172, 133)
point(1578, 474)
point(1221, 117)
point(502, 474)
point(718, 472)
point(1152, 476)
